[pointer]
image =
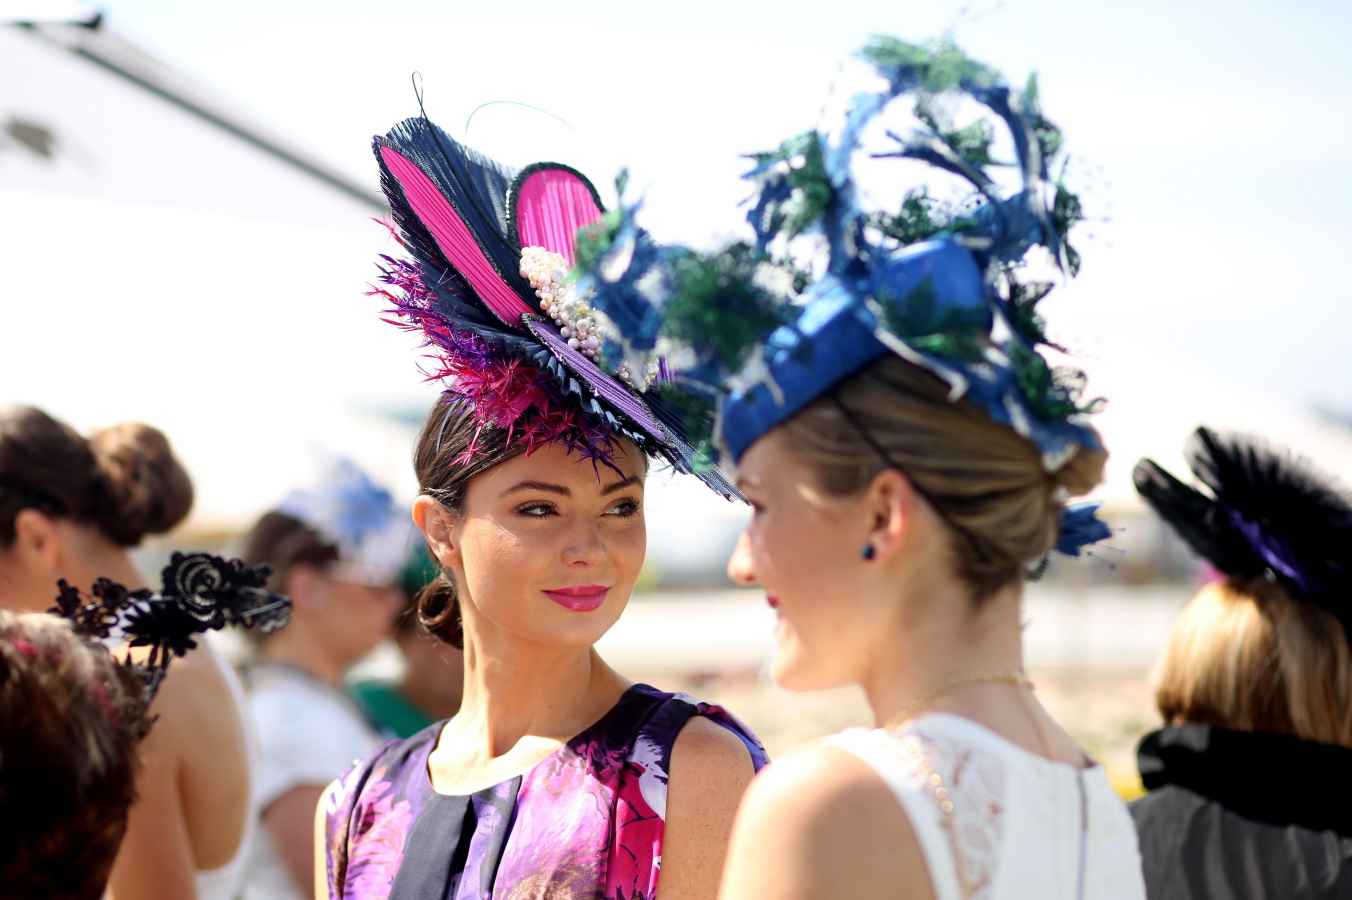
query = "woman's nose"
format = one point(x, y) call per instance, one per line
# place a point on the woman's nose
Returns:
point(740, 569)
point(584, 547)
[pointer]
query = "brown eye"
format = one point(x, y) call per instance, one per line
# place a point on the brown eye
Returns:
point(536, 510)
point(624, 509)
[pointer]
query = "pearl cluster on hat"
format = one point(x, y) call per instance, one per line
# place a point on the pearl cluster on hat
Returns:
point(578, 322)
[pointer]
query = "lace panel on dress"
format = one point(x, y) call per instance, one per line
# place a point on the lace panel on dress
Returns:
point(969, 789)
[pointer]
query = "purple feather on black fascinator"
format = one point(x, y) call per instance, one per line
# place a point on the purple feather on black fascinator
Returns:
point(1264, 513)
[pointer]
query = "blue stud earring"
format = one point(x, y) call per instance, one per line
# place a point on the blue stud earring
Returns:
point(868, 553)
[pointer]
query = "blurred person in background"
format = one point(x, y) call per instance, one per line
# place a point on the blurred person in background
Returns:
point(73, 507)
point(908, 453)
point(71, 723)
point(557, 777)
point(73, 716)
point(1247, 779)
point(430, 683)
point(336, 550)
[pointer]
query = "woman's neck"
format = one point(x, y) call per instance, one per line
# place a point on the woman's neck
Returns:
point(88, 555)
point(118, 566)
point(951, 655)
point(514, 689)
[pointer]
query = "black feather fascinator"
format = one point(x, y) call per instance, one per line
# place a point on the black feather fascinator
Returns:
point(199, 593)
point(1264, 513)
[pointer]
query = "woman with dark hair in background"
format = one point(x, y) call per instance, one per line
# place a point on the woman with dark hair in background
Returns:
point(557, 777)
point(1248, 777)
point(336, 550)
point(73, 507)
point(908, 454)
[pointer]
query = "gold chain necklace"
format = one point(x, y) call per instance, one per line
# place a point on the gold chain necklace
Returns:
point(1013, 679)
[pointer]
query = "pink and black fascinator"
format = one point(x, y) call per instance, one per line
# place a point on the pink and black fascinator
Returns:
point(488, 281)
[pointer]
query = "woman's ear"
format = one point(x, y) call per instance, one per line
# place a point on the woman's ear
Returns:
point(37, 542)
point(437, 524)
point(302, 585)
point(890, 505)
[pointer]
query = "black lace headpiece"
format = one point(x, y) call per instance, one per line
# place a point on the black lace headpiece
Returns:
point(200, 593)
point(1265, 514)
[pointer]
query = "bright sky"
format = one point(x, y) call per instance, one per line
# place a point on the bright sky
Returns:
point(1212, 139)
point(1213, 135)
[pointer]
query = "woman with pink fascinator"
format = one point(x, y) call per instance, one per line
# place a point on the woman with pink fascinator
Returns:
point(558, 777)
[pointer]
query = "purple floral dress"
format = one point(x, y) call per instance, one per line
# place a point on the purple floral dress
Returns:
point(586, 822)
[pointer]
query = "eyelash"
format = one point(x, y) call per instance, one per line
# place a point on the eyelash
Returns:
point(630, 509)
point(528, 510)
point(546, 510)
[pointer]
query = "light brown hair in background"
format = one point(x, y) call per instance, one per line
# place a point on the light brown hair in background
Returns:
point(984, 479)
point(1246, 655)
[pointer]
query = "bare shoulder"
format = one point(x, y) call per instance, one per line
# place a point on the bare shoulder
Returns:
point(710, 769)
point(708, 748)
point(824, 824)
point(821, 788)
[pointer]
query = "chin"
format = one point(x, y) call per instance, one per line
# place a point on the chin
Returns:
point(573, 629)
point(795, 667)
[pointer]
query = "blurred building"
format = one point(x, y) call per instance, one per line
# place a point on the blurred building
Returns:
point(163, 257)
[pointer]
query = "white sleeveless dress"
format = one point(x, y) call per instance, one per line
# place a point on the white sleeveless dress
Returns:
point(226, 882)
point(995, 822)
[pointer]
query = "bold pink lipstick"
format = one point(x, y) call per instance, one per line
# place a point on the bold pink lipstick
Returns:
point(585, 598)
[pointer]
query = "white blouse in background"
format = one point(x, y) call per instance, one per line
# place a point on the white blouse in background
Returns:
point(308, 734)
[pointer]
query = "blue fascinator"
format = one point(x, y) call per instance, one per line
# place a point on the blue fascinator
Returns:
point(372, 534)
point(939, 279)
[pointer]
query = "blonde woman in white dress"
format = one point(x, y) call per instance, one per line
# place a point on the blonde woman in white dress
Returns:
point(909, 454)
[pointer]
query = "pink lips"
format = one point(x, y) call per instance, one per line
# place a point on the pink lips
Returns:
point(580, 599)
point(772, 600)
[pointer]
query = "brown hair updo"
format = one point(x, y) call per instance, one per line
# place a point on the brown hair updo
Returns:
point(438, 461)
point(124, 480)
point(984, 479)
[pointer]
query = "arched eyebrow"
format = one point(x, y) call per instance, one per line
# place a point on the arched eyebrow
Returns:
point(542, 486)
point(562, 491)
point(621, 485)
